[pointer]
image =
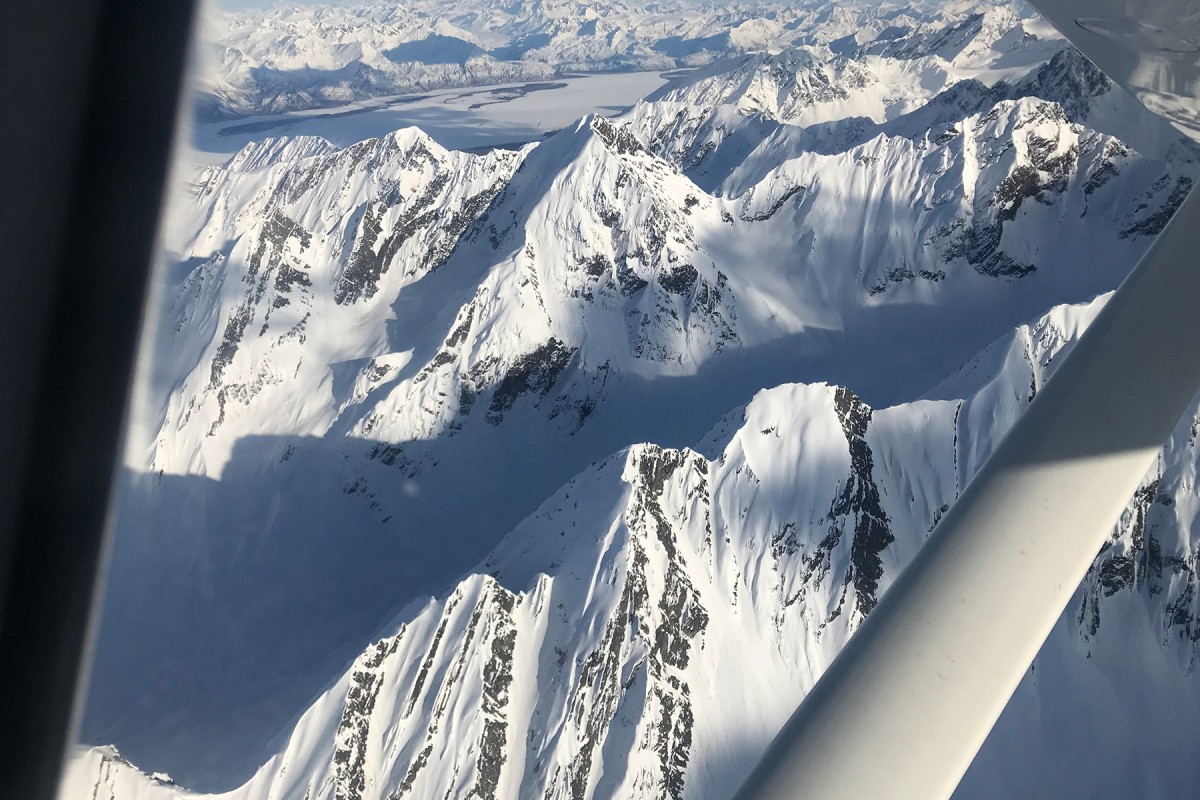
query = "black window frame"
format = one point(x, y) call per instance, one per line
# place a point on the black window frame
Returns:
point(90, 98)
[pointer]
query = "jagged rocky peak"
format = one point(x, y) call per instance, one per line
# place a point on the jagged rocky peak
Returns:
point(594, 139)
point(779, 86)
point(707, 123)
point(616, 136)
point(1020, 151)
point(1070, 80)
point(1067, 79)
point(1038, 148)
point(430, 178)
point(954, 37)
point(1151, 561)
point(268, 152)
point(1023, 361)
point(280, 258)
point(593, 268)
point(979, 178)
point(634, 220)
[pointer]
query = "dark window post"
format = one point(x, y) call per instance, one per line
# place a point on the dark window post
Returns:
point(89, 91)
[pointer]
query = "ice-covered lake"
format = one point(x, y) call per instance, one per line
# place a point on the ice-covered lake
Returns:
point(460, 119)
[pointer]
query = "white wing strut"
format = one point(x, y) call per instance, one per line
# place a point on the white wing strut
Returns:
point(903, 709)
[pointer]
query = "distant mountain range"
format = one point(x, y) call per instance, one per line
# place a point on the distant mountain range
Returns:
point(303, 56)
point(564, 472)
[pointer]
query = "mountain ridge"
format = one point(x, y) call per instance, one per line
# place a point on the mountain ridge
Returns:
point(681, 561)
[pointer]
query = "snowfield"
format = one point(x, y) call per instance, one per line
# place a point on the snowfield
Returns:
point(564, 470)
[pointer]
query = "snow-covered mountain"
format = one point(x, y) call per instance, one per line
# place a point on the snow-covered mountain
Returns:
point(646, 630)
point(398, 291)
point(376, 363)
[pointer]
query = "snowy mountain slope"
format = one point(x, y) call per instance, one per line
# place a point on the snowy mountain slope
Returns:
point(646, 630)
point(765, 108)
point(951, 194)
point(312, 245)
point(378, 360)
point(809, 85)
point(304, 248)
point(427, 274)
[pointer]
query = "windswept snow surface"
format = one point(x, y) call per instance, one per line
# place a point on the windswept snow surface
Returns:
point(336, 571)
